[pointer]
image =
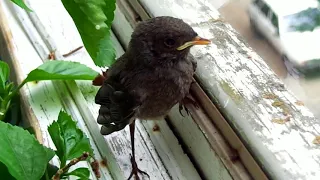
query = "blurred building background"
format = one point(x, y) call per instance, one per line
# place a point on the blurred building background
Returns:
point(305, 88)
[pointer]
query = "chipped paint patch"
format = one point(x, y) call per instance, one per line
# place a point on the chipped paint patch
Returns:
point(230, 91)
point(299, 103)
point(316, 140)
point(95, 167)
point(282, 105)
point(103, 163)
point(269, 96)
point(278, 103)
point(52, 56)
point(281, 121)
point(156, 128)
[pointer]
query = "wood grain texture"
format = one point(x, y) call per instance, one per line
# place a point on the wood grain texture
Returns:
point(249, 94)
point(237, 151)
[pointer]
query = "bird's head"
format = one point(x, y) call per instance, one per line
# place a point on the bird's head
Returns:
point(162, 39)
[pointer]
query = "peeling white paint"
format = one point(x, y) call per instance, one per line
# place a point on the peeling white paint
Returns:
point(283, 149)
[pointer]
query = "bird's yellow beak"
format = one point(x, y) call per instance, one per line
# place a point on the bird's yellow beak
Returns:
point(196, 41)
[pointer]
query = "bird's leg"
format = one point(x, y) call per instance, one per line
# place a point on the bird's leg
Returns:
point(135, 170)
point(187, 100)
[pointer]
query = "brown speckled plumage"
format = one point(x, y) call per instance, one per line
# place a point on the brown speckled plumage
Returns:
point(149, 79)
point(151, 75)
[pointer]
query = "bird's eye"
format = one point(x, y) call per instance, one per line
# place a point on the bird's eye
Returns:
point(169, 42)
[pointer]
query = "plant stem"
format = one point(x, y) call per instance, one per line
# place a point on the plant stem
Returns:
point(4, 109)
point(7, 100)
point(47, 174)
point(13, 93)
point(63, 162)
point(71, 52)
point(74, 161)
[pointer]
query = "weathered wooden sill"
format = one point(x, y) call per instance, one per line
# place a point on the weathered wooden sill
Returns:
point(27, 41)
point(207, 118)
point(232, 76)
point(249, 95)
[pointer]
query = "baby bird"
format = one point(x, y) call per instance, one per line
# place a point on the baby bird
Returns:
point(152, 76)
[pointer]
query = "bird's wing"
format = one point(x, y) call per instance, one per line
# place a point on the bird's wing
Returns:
point(117, 105)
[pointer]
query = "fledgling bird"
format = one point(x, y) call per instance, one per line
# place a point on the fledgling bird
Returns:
point(152, 76)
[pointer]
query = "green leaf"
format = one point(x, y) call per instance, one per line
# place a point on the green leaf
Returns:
point(93, 19)
point(82, 173)
point(23, 155)
point(69, 140)
point(56, 135)
point(22, 5)
point(106, 55)
point(9, 87)
point(49, 153)
point(13, 115)
point(4, 75)
point(61, 70)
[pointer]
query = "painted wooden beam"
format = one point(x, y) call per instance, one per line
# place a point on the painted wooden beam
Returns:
point(278, 130)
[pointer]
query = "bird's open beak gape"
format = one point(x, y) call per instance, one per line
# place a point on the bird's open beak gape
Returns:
point(196, 41)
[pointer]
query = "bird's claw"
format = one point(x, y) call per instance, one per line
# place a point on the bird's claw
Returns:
point(187, 100)
point(135, 170)
point(181, 107)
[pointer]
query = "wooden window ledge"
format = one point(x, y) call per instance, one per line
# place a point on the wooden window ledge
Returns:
point(249, 125)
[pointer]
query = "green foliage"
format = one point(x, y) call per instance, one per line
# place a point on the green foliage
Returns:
point(314, 23)
point(4, 75)
point(5, 104)
point(306, 20)
point(68, 139)
point(50, 70)
point(5, 90)
point(22, 157)
point(21, 4)
point(61, 70)
point(22, 154)
point(13, 114)
point(93, 19)
point(82, 173)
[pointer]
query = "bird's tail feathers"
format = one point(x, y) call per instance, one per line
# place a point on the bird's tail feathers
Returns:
point(116, 111)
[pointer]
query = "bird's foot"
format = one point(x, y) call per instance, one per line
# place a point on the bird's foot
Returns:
point(181, 107)
point(187, 100)
point(135, 170)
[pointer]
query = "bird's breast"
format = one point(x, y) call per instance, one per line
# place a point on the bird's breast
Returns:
point(159, 90)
